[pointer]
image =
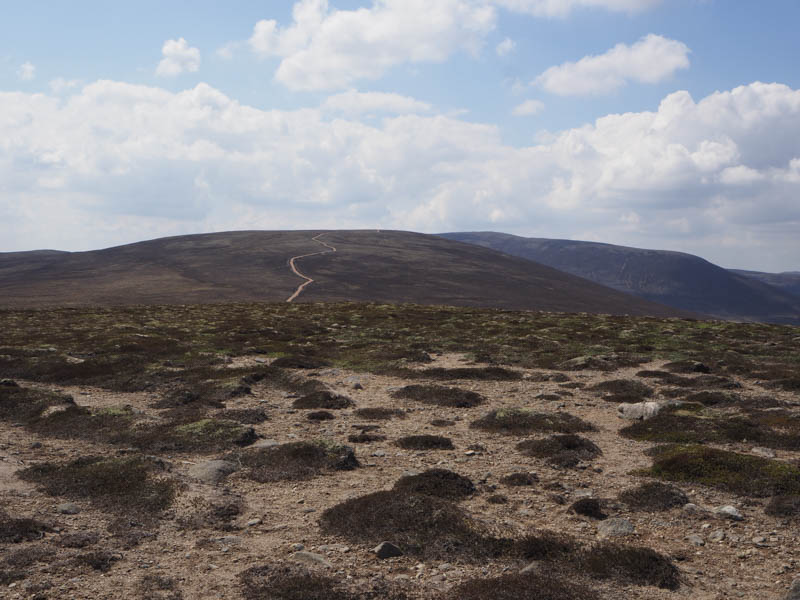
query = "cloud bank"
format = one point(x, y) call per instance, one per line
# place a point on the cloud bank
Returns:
point(650, 60)
point(179, 58)
point(116, 162)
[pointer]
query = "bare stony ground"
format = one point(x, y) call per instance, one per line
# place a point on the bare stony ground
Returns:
point(189, 554)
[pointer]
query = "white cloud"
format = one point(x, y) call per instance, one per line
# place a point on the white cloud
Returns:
point(228, 50)
point(528, 108)
point(562, 8)
point(26, 71)
point(650, 60)
point(505, 47)
point(127, 162)
point(60, 85)
point(330, 49)
point(354, 103)
point(179, 58)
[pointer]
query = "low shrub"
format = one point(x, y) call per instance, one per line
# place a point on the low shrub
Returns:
point(623, 390)
point(20, 530)
point(247, 416)
point(295, 461)
point(118, 484)
point(784, 506)
point(521, 421)
point(440, 396)
point(379, 413)
point(520, 479)
point(320, 415)
point(473, 373)
point(299, 362)
point(589, 507)
point(630, 565)
point(563, 451)
point(365, 438)
point(729, 471)
point(425, 442)
point(653, 496)
point(437, 482)
point(521, 586)
point(323, 400)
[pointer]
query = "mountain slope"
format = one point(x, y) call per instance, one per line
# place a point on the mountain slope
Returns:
point(386, 266)
point(673, 278)
point(788, 282)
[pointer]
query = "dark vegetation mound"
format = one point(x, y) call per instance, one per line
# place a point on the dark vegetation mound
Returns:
point(713, 398)
point(473, 373)
point(323, 399)
point(563, 451)
point(320, 415)
point(299, 362)
point(437, 482)
point(24, 405)
point(420, 524)
point(520, 479)
point(20, 530)
point(425, 442)
point(784, 506)
point(520, 421)
point(248, 416)
point(365, 438)
point(687, 366)
point(629, 564)
point(522, 586)
point(688, 424)
point(729, 471)
point(442, 423)
point(589, 507)
point(81, 539)
point(653, 496)
point(379, 413)
point(294, 582)
point(440, 396)
point(116, 484)
point(159, 587)
point(700, 382)
point(295, 461)
point(623, 390)
point(497, 499)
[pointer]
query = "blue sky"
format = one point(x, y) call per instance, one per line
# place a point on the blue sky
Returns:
point(656, 123)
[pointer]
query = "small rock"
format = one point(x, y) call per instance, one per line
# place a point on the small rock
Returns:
point(729, 512)
point(297, 547)
point(794, 591)
point(211, 471)
point(260, 361)
point(253, 522)
point(387, 550)
point(615, 527)
point(694, 509)
point(311, 559)
point(36, 445)
point(695, 540)
point(716, 536)
point(68, 508)
point(379, 453)
point(639, 411)
point(358, 386)
point(8, 383)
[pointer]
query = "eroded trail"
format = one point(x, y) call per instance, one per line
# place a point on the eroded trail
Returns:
point(296, 271)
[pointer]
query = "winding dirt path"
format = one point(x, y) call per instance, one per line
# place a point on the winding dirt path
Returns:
point(293, 266)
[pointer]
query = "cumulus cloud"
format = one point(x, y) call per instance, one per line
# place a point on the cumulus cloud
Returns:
point(330, 49)
point(26, 71)
point(354, 103)
point(650, 60)
point(128, 162)
point(528, 108)
point(179, 58)
point(562, 8)
point(505, 47)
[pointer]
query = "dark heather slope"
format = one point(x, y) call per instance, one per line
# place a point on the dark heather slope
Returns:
point(676, 279)
point(788, 282)
point(388, 266)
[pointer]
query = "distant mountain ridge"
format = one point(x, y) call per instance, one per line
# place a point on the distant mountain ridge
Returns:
point(676, 279)
point(788, 281)
point(253, 266)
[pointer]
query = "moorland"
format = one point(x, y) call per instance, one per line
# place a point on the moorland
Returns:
point(255, 450)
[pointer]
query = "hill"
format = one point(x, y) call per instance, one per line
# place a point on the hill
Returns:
point(386, 266)
point(676, 279)
point(788, 282)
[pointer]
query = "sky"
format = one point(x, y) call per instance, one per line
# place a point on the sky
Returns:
point(668, 124)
